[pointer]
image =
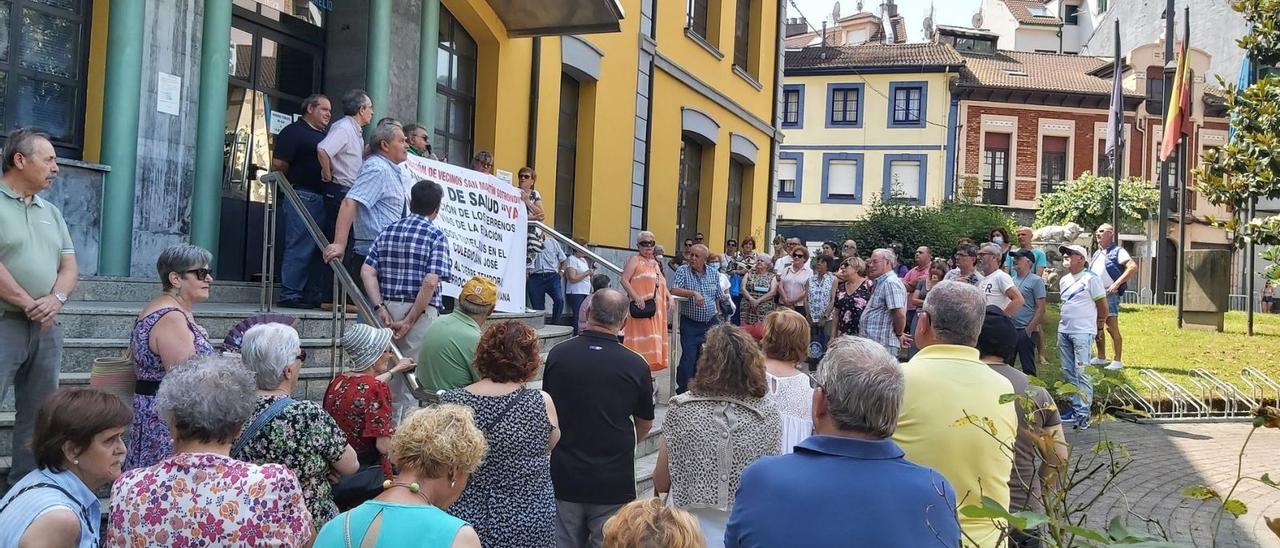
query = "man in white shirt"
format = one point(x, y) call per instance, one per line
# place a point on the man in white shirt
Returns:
point(996, 285)
point(1114, 267)
point(785, 261)
point(1084, 309)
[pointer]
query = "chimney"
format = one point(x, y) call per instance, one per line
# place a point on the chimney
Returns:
point(796, 26)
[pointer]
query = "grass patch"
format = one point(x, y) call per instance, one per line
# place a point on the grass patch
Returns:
point(1152, 340)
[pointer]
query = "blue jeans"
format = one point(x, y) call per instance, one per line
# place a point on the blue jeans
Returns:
point(1026, 351)
point(575, 306)
point(300, 251)
point(539, 286)
point(1074, 349)
point(692, 335)
point(911, 330)
point(1113, 305)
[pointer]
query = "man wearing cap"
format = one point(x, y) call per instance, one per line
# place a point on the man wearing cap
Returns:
point(449, 345)
point(603, 393)
point(1114, 267)
point(402, 274)
point(1028, 317)
point(1084, 310)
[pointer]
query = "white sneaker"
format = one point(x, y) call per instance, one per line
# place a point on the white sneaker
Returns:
point(1114, 366)
point(1099, 361)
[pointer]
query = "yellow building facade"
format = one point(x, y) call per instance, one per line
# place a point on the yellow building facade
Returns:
point(862, 122)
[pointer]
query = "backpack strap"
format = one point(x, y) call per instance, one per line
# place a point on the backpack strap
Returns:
point(259, 422)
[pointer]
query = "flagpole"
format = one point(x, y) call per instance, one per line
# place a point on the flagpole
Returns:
point(1161, 271)
point(1183, 151)
point(1117, 153)
point(1253, 263)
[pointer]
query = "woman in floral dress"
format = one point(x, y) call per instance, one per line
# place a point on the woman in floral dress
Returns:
point(853, 290)
point(359, 399)
point(164, 336)
point(758, 289)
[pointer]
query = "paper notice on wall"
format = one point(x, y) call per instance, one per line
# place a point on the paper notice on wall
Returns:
point(278, 121)
point(169, 93)
point(487, 226)
point(505, 176)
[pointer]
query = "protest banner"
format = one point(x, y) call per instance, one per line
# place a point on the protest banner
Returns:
point(487, 226)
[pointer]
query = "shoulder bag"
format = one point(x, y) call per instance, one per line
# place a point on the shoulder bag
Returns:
point(259, 422)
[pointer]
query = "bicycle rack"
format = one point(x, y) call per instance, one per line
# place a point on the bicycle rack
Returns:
point(1182, 404)
point(1234, 402)
point(1259, 385)
point(1129, 397)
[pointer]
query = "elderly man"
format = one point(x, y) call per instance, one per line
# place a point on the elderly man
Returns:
point(482, 162)
point(884, 320)
point(1084, 312)
point(701, 286)
point(603, 393)
point(419, 140)
point(1114, 267)
point(848, 484)
point(996, 285)
point(375, 201)
point(402, 275)
point(1029, 317)
point(966, 261)
point(296, 154)
point(848, 249)
point(946, 383)
point(1024, 243)
point(340, 155)
point(785, 261)
point(37, 272)
point(546, 278)
point(448, 348)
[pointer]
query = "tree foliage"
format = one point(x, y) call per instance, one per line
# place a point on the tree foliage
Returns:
point(937, 226)
point(1086, 201)
point(1248, 167)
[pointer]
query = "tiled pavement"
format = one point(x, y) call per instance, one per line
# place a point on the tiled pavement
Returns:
point(1171, 456)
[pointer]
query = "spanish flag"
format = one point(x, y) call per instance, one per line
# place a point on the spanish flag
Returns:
point(1177, 119)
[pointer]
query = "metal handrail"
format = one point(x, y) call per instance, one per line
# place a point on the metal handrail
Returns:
point(281, 183)
point(568, 242)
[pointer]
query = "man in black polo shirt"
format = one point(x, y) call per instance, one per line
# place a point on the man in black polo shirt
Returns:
point(295, 155)
point(604, 397)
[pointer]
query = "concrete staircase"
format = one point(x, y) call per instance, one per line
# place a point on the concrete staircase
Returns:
point(99, 317)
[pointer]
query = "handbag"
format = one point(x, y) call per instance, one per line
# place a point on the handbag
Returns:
point(647, 311)
point(115, 375)
point(354, 490)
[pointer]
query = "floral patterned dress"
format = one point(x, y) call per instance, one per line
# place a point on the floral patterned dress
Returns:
point(204, 499)
point(306, 439)
point(756, 285)
point(850, 304)
point(149, 439)
point(361, 405)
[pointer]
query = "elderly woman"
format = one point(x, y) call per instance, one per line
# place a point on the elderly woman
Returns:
point(758, 290)
point(722, 424)
point(793, 281)
point(359, 399)
point(282, 430)
point(853, 290)
point(436, 449)
point(648, 523)
point(821, 300)
point(786, 345)
point(164, 336)
point(644, 282)
point(510, 500)
point(200, 496)
point(79, 447)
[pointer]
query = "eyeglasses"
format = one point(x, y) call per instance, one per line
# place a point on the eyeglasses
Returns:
point(201, 273)
point(849, 246)
point(813, 380)
point(302, 356)
point(798, 256)
point(646, 243)
point(525, 175)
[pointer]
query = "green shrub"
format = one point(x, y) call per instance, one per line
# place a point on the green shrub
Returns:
point(937, 226)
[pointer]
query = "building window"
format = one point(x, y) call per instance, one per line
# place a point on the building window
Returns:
point(1102, 6)
point(907, 108)
point(844, 105)
point(42, 69)
point(566, 154)
point(1053, 164)
point(1155, 90)
point(690, 185)
point(995, 169)
point(842, 177)
point(733, 209)
point(742, 36)
point(456, 92)
point(698, 11)
point(790, 168)
point(905, 177)
point(973, 45)
point(1071, 14)
point(793, 106)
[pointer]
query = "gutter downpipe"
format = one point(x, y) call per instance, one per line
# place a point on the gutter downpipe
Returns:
point(770, 224)
point(535, 78)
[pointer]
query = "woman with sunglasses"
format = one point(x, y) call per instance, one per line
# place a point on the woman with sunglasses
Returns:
point(295, 433)
point(643, 281)
point(164, 336)
point(793, 281)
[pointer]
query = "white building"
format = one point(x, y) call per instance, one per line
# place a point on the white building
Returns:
point(1045, 26)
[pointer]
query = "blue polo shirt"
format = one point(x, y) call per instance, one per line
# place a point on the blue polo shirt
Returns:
point(835, 491)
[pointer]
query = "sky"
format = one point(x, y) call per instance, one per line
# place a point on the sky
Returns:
point(946, 12)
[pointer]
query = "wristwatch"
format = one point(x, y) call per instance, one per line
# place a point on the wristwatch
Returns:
point(62, 297)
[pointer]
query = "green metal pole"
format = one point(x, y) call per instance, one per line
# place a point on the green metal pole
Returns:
point(211, 121)
point(428, 44)
point(379, 58)
point(123, 88)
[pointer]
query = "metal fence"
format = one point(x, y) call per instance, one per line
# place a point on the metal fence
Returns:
point(1237, 302)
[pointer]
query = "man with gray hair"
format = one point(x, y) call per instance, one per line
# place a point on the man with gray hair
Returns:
point(296, 155)
point(884, 320)
point(600, 388)
point(37, 272)
point(947, 384)
point(696, 282)
point(376, 200)
point(849, 484)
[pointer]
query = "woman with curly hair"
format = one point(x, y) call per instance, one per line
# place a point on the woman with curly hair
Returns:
point(509, 500)
point(648, 523)
point(712, 432)
point(437, 449)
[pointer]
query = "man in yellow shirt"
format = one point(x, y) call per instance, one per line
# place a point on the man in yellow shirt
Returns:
point(951, 418)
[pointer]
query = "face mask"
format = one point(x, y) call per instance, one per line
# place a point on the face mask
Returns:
point(998, 240)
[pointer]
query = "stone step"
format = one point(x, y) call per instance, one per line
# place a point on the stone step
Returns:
point(123, 289)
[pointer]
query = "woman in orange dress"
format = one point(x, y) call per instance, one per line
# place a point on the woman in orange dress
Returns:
point(642, 279)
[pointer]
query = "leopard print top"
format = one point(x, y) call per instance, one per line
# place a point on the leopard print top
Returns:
point(710, 440)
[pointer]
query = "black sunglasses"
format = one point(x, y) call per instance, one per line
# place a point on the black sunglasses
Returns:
point(798, 256)
point(201, 273)
point(646, 243)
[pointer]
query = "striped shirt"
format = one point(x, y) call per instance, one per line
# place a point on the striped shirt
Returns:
point(379, 189)
point(21, 506)
point(877, 319)
point(405, 253)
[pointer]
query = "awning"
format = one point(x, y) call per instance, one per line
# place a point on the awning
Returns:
point(557, 17)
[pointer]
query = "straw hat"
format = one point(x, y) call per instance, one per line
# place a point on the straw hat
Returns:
point(364, 344)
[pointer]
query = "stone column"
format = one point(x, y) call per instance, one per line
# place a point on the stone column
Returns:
point(378, 59)
point(429, 43)
point(121, 96)
point(211, 121)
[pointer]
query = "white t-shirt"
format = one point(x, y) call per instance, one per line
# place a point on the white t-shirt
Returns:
point(578, 288)
point(1098, 264)
point(1080, 293)
point(782, 264)
point(995, 287)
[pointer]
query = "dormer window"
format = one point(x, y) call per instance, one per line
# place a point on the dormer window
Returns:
point(1039, 11)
